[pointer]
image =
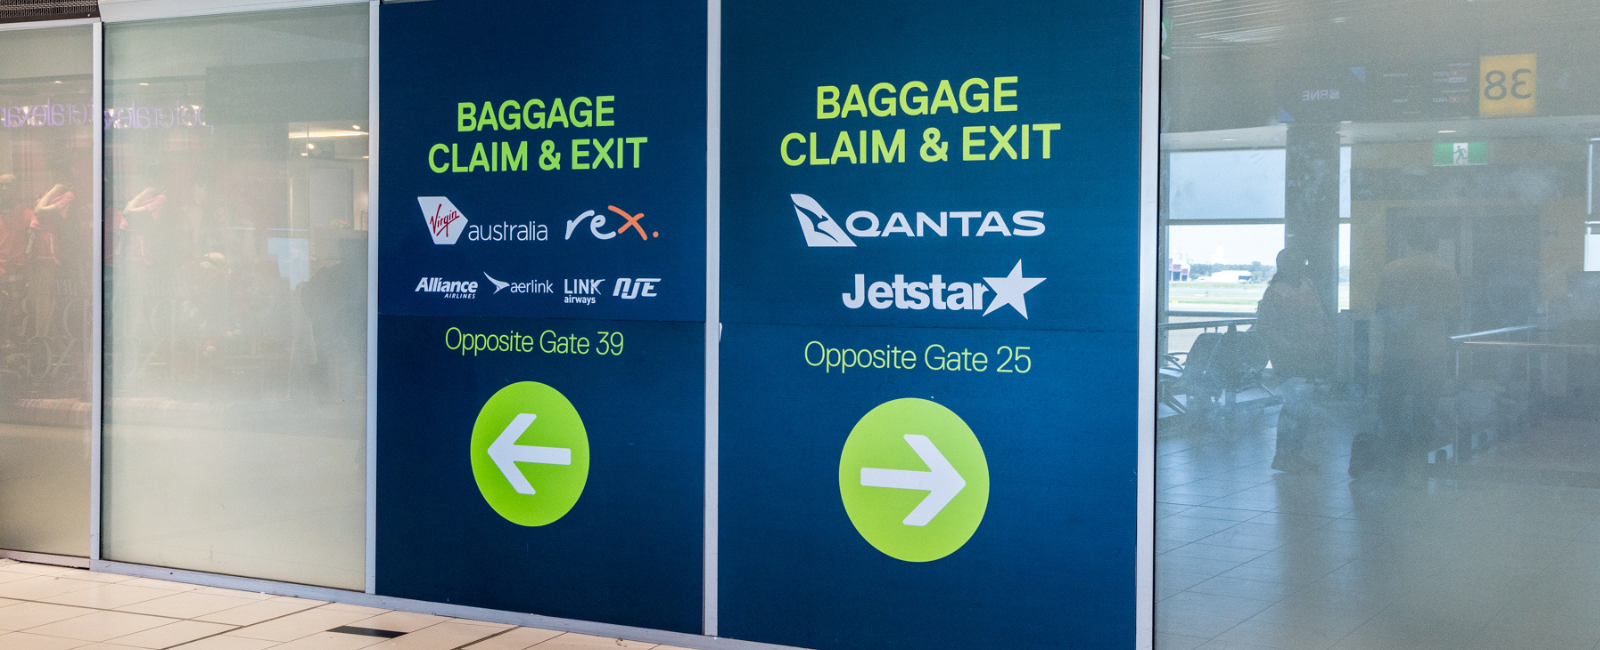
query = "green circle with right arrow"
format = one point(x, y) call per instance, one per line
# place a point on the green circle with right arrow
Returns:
point(530, 454)
point(914, 480)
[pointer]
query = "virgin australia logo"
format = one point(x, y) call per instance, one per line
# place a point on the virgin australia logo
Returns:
point(445, 222)
point(823, 231)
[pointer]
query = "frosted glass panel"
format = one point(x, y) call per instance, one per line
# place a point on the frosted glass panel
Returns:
point(46, 262)
point(236, 294)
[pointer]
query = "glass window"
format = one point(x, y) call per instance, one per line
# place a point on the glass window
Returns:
point(46, 263)
point(236, 232)
point(1396, 446)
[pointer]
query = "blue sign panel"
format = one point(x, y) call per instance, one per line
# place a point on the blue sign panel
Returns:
point(625, 548)
point(930, 165)
point(542, 298)
point(930, 228)
point(544, 161)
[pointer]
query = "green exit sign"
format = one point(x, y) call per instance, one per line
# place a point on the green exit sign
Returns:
point(1447, 154)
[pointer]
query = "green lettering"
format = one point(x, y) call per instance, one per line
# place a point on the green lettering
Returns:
point(514, 162)
point(533, 120)
point(585, 115)
point(465, 114)
point(488, 117)
point(557, 112)
point(854, 102)
point(944, 96)
point(513, 121)
point(601, 110)
point(827, 102)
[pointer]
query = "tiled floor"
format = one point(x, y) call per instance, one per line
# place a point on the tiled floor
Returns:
point(54, 608)
point(1249, 558)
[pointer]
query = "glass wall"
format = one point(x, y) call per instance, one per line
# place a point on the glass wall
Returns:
point(236, 230)
point(46, 263)
point(1379, 420)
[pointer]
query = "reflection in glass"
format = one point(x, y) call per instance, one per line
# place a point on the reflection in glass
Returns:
point(236, 290)
point(1394, 443)
point(46, 262)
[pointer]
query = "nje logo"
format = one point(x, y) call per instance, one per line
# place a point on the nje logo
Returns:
point(822, 231)
point(446, 224)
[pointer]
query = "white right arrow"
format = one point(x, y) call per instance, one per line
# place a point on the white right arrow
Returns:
point(942, 483)
point(506, 453)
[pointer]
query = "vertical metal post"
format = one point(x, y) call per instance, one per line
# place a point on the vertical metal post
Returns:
point(372, 297)
point(97, 297)
point(1149, 218)
point(713, 307)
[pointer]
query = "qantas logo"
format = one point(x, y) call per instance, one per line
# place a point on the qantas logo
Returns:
point(823, 231)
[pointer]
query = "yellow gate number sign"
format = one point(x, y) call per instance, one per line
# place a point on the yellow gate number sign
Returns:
point(1506, 84)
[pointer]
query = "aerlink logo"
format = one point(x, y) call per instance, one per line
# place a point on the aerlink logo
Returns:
point(821, 231)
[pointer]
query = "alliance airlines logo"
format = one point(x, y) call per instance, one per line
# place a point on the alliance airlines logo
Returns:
point(446, 224)
point(822, 231)
point(457, 289)
point(936, 293)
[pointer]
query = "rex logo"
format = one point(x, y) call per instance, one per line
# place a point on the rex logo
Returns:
point(822, 231)
point(445, 222)
point(598, 227)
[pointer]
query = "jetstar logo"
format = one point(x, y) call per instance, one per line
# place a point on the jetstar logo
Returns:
point(936, 293)
point(822, 231)
point(631, 225)
point(460, 289)
point(445, 222)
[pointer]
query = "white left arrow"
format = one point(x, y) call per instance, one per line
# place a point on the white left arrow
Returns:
point(506, 453)
point(942, 482)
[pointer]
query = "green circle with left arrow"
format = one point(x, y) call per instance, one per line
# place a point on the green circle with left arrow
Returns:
point(914, 480)
point(530, 454)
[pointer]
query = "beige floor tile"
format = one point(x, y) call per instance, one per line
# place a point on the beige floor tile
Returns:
point(40, 587)
point(99, 626)
point(292, 599)
point(189, 604)
point(8, 576)
point(107, 646)
point(108, 596)
point(258, 611)
point(172, 634)
point(571, 641)
point(161, 584)
point(517, 639)
point(22, 616)
point(25, 641)
point(7, 601)
point(468, 621)
point(399, 621)
point(228, 643)
point(369, 611)
point(444, 636)
point(96, 576)
point(36, 569)
point(235, 593)
point(331, 641)
point(297, 625)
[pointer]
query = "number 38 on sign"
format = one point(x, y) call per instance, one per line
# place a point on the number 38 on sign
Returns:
point(1506, 84)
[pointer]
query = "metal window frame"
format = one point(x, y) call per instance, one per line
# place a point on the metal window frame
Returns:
point(116, 11)
point(1149, 228)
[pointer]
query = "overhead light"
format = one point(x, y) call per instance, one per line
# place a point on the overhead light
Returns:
point(304, 153)
point(356, 126)
point(56, 81)
point(1230, 139)
point(326, 133)
point(1447, 131)
point(310, 146)
point(365, 157)
point(142, 83)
